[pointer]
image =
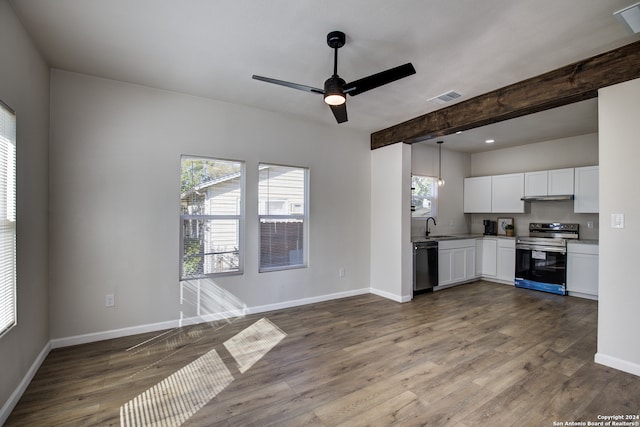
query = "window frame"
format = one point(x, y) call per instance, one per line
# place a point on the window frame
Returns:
point(240, 217)
point(8, 224)
point(304, 217)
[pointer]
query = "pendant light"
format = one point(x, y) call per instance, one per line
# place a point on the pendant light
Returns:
point(440, 180)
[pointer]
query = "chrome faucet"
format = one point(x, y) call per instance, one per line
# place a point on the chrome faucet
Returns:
point(434, 223)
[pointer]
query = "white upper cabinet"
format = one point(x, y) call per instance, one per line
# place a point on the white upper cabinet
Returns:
point(560, 182)
point(549, 183)
point(587, 181)
point(535, 183)
point(507, 192)
point(477, 195)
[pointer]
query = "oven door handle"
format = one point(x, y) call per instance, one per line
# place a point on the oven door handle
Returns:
point(541, 248)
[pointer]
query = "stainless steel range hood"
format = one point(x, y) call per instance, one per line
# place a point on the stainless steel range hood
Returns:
point(547, 198)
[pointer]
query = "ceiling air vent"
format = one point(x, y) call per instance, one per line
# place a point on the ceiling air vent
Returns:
point(630, 18)
point(445, 97)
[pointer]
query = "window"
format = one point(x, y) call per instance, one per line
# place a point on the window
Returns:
point(7, 218)
point(282, 212)
point(424, 196)
point(212, 217)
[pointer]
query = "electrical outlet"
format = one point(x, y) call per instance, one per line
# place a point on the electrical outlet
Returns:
point(341, 272)
point(589, 224)
point(109, 300)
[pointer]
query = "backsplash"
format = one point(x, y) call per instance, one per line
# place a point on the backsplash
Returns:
point(558, 211)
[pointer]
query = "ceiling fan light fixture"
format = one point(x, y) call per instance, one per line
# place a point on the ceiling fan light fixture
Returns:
point(333, 93)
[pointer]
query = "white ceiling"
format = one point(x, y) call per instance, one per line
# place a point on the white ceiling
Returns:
point(211, 48)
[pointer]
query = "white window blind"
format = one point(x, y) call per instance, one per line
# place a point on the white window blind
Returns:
point(282, 212)
point(212, 216)
point(7, 218)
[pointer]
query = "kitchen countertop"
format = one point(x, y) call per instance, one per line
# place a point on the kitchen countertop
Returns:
point(584, 241)
point(455, 237)
point(438, 238)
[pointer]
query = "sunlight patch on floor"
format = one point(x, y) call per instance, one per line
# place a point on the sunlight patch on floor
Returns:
point(250, 345)
point(175, 399)
point(178, 397)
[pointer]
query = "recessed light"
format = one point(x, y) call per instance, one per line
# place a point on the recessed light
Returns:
point(490, 141)
point(459, 132)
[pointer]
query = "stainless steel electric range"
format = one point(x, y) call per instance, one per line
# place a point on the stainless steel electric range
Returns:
point(541, 258)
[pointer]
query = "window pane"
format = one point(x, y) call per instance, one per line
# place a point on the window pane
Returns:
point(210, 246)
point(281, 243)
point(7, 218)
point(282, 212)
point(281, 190)
point(210, 187)
point(424, 191)
point(211, 207)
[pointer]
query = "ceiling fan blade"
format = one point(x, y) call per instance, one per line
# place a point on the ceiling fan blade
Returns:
point(376, 80)
point(339, 112)
point(289, 84)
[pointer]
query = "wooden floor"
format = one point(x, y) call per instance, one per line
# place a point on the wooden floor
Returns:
point(481, 354)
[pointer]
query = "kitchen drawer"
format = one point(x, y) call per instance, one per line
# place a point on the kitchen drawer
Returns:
point(457, 244)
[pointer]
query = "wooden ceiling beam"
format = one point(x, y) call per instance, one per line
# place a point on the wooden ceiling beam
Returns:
point(566, 85)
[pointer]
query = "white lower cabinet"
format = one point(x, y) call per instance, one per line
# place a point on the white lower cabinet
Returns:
point(456, 261)
point(486, 257)
point(506, 260)
point(491, 258)
point(496, 259)
point(582, 270)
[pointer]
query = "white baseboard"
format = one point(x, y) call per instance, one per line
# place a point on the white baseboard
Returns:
point(619, 364)
point(114, 333)
point(153, 327)
point(305, 301)
point(389, 295)
point(11, 403)
point(583, 295)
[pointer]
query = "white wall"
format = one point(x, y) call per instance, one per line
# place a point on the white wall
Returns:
point(391, 256)
point(619, 292)
point(455, 167)
point(581, 150)
point(114, 211)
point(24, 86)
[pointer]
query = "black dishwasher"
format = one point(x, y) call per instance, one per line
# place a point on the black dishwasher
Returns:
point(425, 265)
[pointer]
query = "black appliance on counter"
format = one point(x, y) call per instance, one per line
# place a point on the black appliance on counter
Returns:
point(541, 258)
point(490, 227)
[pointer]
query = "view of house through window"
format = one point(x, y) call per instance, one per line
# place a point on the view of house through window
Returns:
point(424, 196)
point(212, 209)
point(282, 211)
point(7, 218)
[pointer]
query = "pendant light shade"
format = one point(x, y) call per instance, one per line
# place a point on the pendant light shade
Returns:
point(440, 180)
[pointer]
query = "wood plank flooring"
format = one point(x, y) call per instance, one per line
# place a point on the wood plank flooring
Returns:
point(475, 355)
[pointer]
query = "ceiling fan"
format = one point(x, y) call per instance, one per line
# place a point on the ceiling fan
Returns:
point(336, 89)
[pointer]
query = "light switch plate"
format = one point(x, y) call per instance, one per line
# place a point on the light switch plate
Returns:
point(617, 220)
